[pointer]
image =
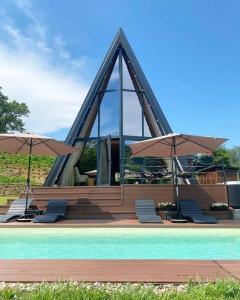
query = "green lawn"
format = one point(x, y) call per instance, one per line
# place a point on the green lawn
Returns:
point(3, 199)
point(222, 290)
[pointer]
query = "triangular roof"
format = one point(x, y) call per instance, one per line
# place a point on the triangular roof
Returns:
point(120, 41)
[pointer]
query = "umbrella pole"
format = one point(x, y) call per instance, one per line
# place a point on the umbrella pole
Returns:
point(173, 179)
point(176, 178)
point(175, 167)
point(28, 176)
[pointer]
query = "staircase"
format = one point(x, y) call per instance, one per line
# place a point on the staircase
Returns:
point(87, 202)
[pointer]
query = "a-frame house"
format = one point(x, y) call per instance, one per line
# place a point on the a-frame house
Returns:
point(119, 108)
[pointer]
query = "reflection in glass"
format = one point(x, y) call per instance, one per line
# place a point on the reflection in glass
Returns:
point(94, 131)
point(113, 83)
point(87, 163)
point(132, 114)
point(109, 114)
point(132, 166)
point(147, 132)
point(144, 169)
point(127, 81)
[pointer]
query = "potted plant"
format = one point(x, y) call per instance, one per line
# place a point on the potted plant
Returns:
point(219, 206)
point(167, 206)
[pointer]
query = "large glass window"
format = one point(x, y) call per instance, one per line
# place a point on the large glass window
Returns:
point(94, 131)
point(109, 114)
point(132, 114)
point(114, 83)
point(127, 81)
point(86, 169)
point(132, 166)
point(109, 108)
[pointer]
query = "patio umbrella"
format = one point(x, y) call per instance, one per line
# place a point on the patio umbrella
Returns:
point(32, 144)
point(174, 145)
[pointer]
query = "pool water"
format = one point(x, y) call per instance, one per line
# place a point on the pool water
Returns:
point(120, 243)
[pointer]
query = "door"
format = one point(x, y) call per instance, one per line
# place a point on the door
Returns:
point(104, 161)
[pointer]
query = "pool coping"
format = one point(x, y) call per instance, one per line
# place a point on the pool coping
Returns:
point(126, 270)
point(118, 223)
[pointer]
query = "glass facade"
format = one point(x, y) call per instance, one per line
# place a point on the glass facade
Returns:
point(119, 108)
point(119, 119)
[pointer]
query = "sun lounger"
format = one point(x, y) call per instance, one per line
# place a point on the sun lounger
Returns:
point(56, 210)
point(190, 210)
point(146, 212)
point(16, 210)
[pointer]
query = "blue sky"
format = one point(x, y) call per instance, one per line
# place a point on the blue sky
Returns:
point(50, 52)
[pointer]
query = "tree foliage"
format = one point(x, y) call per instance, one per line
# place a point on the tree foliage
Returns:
point(228, 157)
point(222, 156)
point(11, 113)
point(235, 156)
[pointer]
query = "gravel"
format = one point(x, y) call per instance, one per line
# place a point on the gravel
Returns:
point(109, 287)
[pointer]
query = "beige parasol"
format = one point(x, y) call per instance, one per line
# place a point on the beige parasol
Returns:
point(174, 145)
point(32, 144)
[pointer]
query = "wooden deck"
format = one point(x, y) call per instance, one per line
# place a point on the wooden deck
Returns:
point(118, 202)
point(155, 271)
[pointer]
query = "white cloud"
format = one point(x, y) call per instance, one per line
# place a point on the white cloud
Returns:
point(53, 97)
point(30, 72)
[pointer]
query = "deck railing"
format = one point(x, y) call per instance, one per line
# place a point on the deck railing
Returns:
point(159, 171)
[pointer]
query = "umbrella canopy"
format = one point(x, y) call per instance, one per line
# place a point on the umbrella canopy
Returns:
point(32, 144)
point(176, 144)
point(20, 143)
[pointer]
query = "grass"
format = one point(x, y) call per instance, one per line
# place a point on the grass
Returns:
point(3, 199)
point(13, 168)
point(227, 289)
point(22, 160)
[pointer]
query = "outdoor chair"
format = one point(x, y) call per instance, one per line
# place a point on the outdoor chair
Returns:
point(146, 211)
point(56, 210)
point(80, 179)
point(16, 210)
point(190, 210)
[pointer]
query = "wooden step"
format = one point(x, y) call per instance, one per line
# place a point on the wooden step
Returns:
point(120, 215)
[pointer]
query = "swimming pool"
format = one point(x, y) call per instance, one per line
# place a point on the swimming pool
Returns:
point(120, 243)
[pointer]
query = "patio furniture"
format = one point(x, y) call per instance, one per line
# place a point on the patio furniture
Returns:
point(16, 210)
point(146, 211)
point(31, 213)
point(79, 178)
point(190, 210)
point(174, 145)
point(56, 210)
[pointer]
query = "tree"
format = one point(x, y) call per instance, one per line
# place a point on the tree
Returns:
point(11, 113)
point(222, 156)
point(235, 156)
